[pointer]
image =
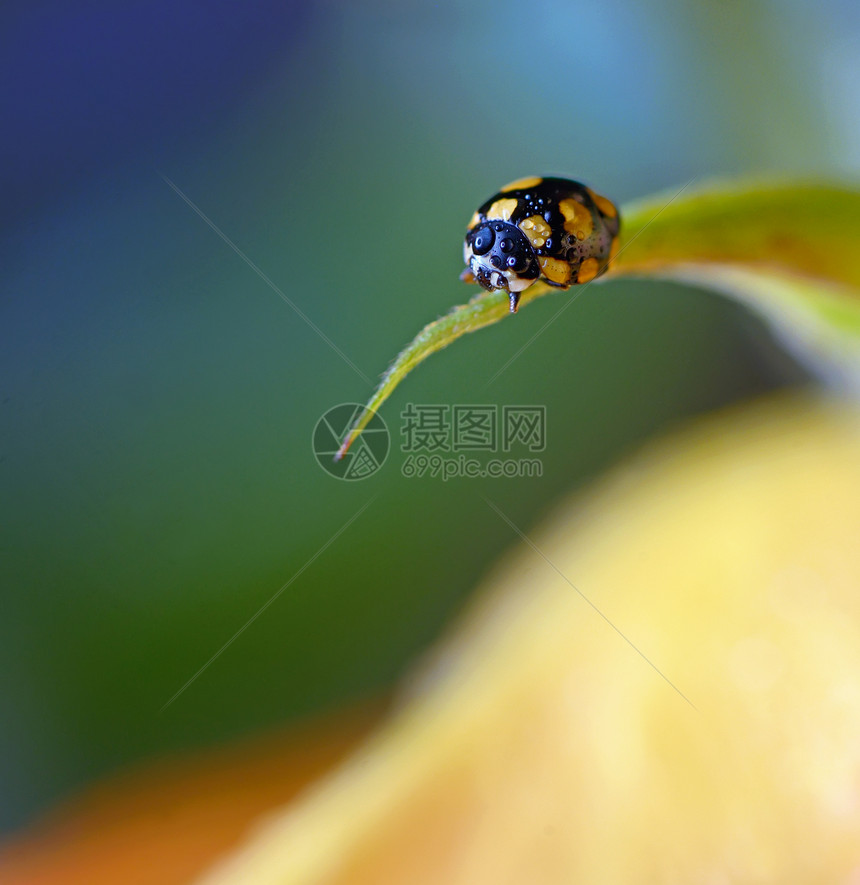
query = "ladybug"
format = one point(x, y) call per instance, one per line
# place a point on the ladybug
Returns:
point(550, 229)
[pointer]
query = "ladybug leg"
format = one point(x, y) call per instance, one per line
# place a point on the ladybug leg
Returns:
point(514, 300)
point(467, 276)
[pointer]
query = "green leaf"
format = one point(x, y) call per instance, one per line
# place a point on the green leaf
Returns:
point(790, 252)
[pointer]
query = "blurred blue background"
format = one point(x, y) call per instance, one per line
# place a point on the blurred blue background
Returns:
point(157, 398)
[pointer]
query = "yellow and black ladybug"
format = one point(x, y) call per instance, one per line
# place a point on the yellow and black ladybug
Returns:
point(552, 229)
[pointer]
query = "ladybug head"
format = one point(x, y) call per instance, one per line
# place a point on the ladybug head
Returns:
point(500, 256)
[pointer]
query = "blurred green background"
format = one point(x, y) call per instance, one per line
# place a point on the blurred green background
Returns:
point(157, 399)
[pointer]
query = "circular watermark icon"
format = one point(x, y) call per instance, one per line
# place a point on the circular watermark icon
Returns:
point(365, 456)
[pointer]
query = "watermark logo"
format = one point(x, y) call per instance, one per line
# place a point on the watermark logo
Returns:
point(366, 455)
point(444, 441)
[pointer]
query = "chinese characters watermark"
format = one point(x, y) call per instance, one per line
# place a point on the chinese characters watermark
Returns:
point(445, 441)
point(448, 441)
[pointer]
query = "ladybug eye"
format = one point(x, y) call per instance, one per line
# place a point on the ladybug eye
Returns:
point(483, 241)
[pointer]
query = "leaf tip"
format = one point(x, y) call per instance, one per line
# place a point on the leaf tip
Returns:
point(348, 440)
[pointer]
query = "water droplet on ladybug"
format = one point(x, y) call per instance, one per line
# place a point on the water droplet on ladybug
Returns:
point(483, 241)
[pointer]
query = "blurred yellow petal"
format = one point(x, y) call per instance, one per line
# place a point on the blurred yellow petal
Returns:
point(541, 746)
